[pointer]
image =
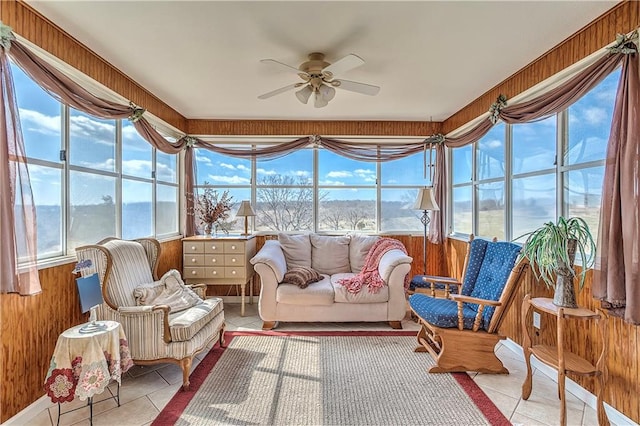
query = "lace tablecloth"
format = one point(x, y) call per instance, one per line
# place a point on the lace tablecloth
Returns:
point(82, 365)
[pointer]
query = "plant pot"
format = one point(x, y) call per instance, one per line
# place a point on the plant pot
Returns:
point(565, 293)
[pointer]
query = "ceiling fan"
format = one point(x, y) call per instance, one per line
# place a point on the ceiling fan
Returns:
point(319, 79)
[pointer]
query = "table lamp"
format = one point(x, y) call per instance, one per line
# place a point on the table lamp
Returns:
point(245, 210)
point(425, 202)
point(90, 297)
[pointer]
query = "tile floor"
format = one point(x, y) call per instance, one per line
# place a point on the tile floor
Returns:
point(147, 389)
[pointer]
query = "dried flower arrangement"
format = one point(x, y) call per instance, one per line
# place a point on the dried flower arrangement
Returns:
point(211, 209)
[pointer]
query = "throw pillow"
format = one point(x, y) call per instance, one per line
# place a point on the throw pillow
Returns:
point(358, 249)
point(169, 290)
point(301, 277)
point(330, 254)
point(297, 250)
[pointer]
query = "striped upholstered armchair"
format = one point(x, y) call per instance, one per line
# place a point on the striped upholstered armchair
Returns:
point(156, 332)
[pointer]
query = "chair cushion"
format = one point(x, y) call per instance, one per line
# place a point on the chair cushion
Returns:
point(185, 324)
point(169, 290)
point(358, 248)
point(320, 293)
point(499, 260)
point(441, 312)
point(476, 255)
point(130, 268)
point(301, 277)
point(296, 249)
point(330, 254)
point(342, 295)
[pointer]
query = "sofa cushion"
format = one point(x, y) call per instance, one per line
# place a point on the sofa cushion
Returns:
point(297, 250)
point(342, 295)
point(186, 324)
point(169, 290)
point(330, 254)
point(358, 248)
point(301, 277)
point(319, 293)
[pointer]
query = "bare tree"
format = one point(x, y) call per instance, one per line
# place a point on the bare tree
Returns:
point(332, 218)
point(357, 216)
point(285, 203)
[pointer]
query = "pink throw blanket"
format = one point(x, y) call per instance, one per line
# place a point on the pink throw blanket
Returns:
point(369, 274)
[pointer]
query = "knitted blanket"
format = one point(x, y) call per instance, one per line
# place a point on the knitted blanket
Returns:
point(369, 274)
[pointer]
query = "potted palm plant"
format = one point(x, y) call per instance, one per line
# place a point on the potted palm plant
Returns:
point(551, 250)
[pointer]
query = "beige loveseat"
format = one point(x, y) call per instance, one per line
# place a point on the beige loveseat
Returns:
point(335, 258)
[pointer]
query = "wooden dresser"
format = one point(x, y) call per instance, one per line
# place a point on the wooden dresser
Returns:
point(220, 260)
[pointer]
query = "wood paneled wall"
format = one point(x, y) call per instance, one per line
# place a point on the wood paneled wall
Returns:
point(39, 30)
point(623, 18)
point(30, 326)
point(323, 128)
point(623, 386)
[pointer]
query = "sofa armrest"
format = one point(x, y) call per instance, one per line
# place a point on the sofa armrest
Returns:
point(390, 261)
point(271, 256)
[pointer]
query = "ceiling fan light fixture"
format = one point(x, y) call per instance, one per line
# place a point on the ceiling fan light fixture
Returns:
point(327, 92)
point(320, 101)
point(304, 94)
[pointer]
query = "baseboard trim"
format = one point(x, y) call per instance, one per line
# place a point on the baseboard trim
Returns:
point(27, 415)
point(615, 416)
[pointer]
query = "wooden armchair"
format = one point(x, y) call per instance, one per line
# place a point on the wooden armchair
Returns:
point(156, 332)
point(461, 331)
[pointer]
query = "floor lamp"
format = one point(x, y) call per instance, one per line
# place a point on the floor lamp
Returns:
point(245, 210)
point(425, 202)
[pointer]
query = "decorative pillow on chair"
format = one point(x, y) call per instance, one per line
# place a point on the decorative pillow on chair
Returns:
point(169, 290)
point(301, 276)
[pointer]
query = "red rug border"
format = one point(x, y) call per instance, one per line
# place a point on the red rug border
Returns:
point(174, 408)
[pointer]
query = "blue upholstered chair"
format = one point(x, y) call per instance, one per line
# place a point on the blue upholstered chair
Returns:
point(461, 331)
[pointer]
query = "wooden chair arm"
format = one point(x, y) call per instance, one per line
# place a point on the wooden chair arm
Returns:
point(166, 309)
point(447, 281)
point(462, 299)
point(199, 289)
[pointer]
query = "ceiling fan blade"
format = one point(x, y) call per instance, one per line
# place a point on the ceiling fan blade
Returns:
point(280, 90)
point(354, 86)
point(347, 63)
point(281, 64)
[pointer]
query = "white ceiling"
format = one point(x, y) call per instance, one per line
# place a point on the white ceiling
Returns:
point(431, 58)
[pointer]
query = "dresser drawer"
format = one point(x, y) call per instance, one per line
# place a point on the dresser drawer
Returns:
point(231, 272)
point(214, 247)
point(193, 247)
point(233, 260)
point(214, 259)
point(192, 273)
point(193, 260)
point(217, 272)
point(234, 247)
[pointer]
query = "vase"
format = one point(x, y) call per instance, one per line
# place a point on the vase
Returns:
point(207, 229)
point(565, 293)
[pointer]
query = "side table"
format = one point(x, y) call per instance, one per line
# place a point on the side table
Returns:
point(83, 364)
point(560, 359)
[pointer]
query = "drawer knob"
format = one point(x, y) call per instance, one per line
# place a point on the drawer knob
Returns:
point(193, 260)
point(213, 261)
point(233, 260)
point(233, 247)
point(233, 272)
point(215, 272)
point(213, 247)
point(193, 247)
point(194, 273)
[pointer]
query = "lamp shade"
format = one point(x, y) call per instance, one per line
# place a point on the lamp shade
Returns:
point(304, 94)
point(245, 209)
point(327, 92)
point(425, 200)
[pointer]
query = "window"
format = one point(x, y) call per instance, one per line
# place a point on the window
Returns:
point(314, 189)
point(92, 178)
point(529, 174)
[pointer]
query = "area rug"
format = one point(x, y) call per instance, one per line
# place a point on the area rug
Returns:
point(326, 378)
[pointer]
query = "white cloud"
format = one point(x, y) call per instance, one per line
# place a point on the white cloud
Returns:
point(491, 144)
point(109, 164)
point(301, 173)
point(35, 121)
point(243, 168)
point(130, 133)
point(92, 129)
point(232, 180)
point(265, 172)
point(339, 174)
point(203, 159)
point(594, 115)
point(227, 166)
point(331, 182)
point(137, 168)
